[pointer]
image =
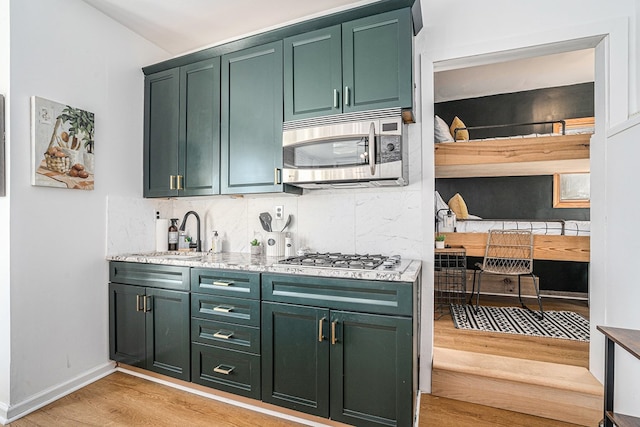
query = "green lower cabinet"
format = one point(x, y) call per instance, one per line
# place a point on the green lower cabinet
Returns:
point(295, 357)
point(149, 328)
point(352, 367)
point(371, 369)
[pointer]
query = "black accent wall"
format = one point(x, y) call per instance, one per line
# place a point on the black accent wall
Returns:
point(512, 197)
point(556, 103)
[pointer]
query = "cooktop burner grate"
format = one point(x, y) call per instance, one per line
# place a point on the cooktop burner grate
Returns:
point(337, 260)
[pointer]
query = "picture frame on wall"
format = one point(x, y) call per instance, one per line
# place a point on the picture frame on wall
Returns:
point(62, 145)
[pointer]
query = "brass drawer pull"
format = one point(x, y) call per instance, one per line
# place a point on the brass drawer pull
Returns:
point(138, 303)
point(333, 332)
point(222, 283)
point(146, 306)
point(225, 335)
point(172, 186)
point(223, 369)
point(320, 335)
point(180, 179)
point(223, 308)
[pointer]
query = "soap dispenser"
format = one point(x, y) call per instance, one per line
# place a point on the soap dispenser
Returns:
point(173, 235)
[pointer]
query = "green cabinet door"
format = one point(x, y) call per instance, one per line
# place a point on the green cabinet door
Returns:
point(161, 128)
point(372, 352)
point(168, 333)
point(199, 144)
point(377, 65)
point(251, 120)
point(295, 357)
point(126, 324)
point(313, 74)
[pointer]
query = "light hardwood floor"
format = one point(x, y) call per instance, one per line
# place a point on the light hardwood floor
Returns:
point(124, 400)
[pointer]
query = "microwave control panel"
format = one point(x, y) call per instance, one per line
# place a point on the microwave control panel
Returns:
point(390, 148)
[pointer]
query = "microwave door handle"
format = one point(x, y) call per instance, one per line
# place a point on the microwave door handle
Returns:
point(372, 148)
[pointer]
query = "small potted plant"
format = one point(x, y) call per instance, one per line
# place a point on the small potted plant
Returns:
point(440, 241)
point(256, 249)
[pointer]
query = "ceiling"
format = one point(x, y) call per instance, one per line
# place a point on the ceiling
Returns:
point(183, 26)
point(186, 25)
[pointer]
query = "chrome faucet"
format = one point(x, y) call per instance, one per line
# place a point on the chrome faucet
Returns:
point(184, 221)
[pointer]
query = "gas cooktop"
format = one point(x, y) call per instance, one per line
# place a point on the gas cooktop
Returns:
point(339, 260)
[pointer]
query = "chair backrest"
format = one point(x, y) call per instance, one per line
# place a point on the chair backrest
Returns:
point(509, 252)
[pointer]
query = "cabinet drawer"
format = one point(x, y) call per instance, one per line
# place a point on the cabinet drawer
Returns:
point(151, 275)
point(227, 335)
point(370, 296)
point(226, 370)
point(229, 283)
point(226, 309)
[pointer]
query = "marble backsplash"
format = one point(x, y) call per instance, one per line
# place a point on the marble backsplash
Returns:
point(386, 221)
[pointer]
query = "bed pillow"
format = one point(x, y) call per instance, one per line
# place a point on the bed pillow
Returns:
point(458, 206)
point(441, 131)
point(462, 134)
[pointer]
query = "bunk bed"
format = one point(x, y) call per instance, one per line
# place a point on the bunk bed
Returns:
point(565, 150)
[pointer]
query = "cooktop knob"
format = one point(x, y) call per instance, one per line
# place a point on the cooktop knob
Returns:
point(390, 147)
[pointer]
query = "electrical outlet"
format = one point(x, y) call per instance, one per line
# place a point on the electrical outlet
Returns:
point(279, 212)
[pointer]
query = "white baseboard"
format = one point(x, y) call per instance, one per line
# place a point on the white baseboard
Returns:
point(19, 410)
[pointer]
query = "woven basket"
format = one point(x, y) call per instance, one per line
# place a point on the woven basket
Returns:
point(58, 164)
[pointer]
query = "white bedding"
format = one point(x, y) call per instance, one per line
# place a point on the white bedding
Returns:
point(571, 227)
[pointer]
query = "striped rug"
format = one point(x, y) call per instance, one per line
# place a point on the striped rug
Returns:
point(515, 320)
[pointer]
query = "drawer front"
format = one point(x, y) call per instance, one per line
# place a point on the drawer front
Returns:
point(226, 309)
point(150, 275)
point(227, 370)
point(229, 283)
point(342, 294)
point(226, 335)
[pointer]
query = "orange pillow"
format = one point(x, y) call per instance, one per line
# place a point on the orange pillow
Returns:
point(458, 206)
point(461, 135)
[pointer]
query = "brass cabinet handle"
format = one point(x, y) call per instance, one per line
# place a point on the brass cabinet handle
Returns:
point(277, 179)
point(171, 184)
point(333, 332)
point(138, 303)
point(225, 335)
point(180, 178)
point(320, 335)
point(336, 101)
point(347, 95)
point(224, 369)
point(146, 307)
point(224, 309)
point(222, 283)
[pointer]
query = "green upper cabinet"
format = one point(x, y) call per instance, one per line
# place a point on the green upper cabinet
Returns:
point(313, 74)
point(182, 131)
point(364, 64)
point(161, 131)
point(251, 120)
point(376, 62)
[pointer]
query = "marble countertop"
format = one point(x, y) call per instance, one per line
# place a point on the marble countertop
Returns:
point(408, 272)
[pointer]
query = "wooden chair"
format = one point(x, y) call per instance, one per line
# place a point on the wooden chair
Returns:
point(508, 252)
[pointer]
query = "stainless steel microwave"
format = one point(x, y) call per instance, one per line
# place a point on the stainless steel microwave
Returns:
point(365, 153)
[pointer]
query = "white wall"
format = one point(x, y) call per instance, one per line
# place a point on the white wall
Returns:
point(5, 294)
point(66, 51)
point(461, 33)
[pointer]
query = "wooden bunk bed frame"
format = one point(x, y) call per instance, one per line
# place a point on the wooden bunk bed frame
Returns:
point(522, 156)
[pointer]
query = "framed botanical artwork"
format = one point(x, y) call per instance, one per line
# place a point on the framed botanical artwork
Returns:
point(62, 145)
